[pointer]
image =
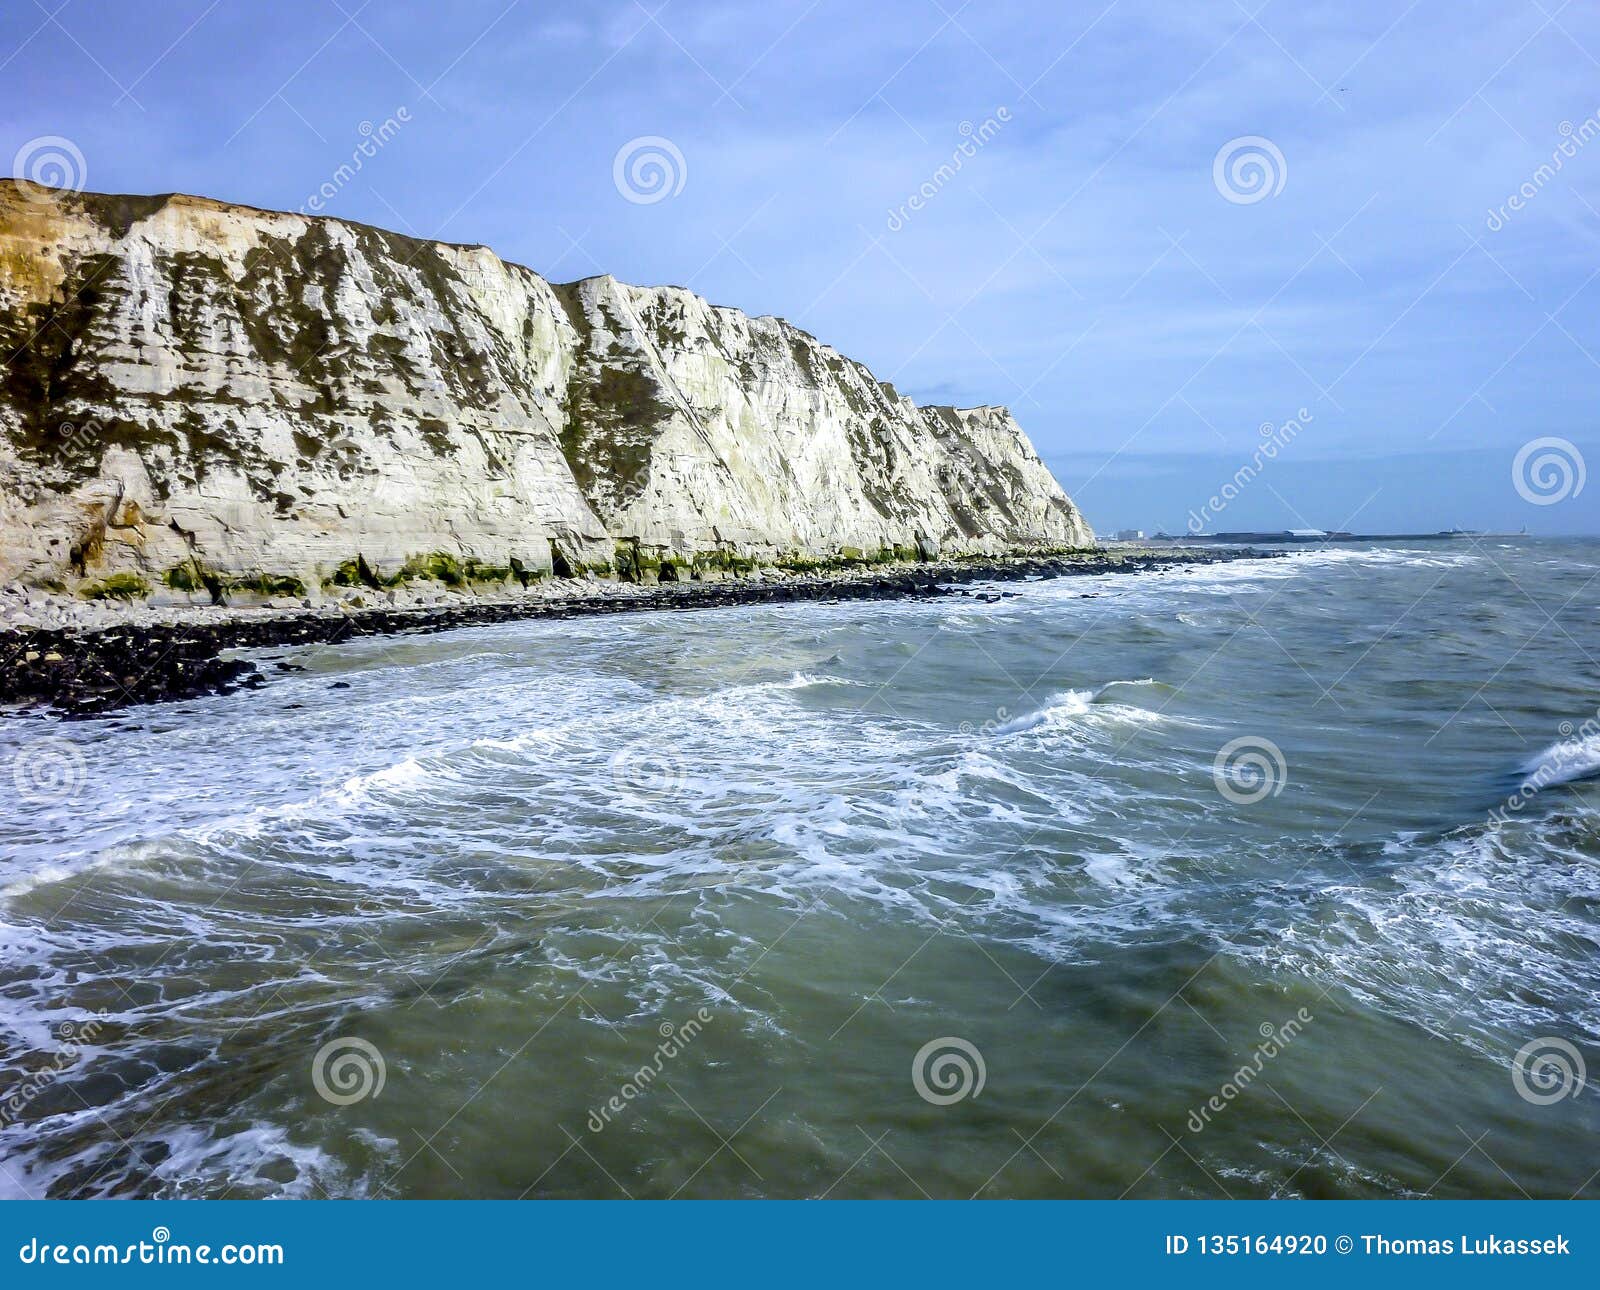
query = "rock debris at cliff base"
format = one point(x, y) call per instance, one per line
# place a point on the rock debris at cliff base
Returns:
point(180, 654)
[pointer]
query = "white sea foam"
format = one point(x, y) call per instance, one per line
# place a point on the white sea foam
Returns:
point(465, 833)
point(1456, 918)
point(1071, 709)
point(1567, 762)
point(1060, 708)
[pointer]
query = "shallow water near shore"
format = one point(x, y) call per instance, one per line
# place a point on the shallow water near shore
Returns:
point(941, 897)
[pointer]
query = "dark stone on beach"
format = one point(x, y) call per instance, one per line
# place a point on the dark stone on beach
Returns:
point(88, 673)
point(93, 672)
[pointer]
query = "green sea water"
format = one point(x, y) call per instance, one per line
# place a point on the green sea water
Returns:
point(1221, 882)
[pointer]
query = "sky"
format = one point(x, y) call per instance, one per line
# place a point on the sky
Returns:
point(1160, 232)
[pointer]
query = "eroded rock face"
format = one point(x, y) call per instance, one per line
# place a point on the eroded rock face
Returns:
point(200, 397)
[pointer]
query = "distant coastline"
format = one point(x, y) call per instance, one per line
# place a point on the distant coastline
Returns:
point(1319, 537)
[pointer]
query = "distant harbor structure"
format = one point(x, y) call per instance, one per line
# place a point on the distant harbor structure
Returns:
point(1284, 537)
point(1130, 535)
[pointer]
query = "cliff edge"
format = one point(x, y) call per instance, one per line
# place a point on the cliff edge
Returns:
point(209, 401)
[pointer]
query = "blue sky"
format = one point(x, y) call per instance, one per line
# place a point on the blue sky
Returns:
point(1088, 264)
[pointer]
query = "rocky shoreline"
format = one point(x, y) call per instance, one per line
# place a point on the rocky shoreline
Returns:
point(157, 656)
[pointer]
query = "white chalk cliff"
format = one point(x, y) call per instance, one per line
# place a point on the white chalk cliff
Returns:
point(195, 390)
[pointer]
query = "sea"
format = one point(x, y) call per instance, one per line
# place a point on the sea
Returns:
point(1277, 878)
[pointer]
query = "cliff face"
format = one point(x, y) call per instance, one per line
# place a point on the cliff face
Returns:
point(199, 395)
